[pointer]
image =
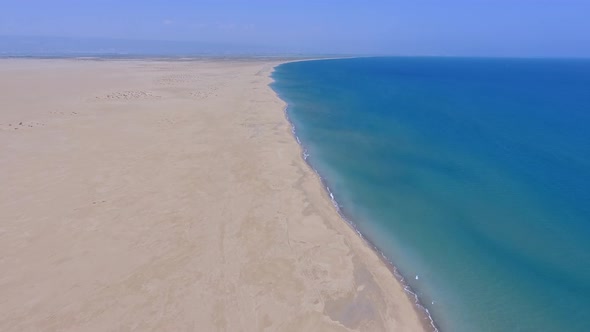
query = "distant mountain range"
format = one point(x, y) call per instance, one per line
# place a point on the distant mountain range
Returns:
point(70, 46)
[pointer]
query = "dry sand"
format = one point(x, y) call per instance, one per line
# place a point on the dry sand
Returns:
point(171, 196)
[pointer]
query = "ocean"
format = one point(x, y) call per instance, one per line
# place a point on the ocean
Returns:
point(471, 175)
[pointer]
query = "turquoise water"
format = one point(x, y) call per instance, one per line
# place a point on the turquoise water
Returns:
point(471, 174)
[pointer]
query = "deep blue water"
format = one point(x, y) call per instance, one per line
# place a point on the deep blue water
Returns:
point(473, 174)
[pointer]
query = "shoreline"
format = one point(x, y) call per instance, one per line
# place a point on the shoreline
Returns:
point(422, 310)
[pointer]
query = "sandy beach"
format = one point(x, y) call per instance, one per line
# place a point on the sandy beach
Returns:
point(171, 196)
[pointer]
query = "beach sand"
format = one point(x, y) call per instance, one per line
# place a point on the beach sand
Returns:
point(171, 196)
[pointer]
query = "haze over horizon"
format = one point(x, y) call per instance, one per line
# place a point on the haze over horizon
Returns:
point(523, 28)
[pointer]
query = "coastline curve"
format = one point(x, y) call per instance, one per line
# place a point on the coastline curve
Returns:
point(427, 319)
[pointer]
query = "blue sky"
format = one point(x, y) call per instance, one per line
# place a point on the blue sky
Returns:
point(410, 27)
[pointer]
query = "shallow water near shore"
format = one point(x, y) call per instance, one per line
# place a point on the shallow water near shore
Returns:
point(471, 175)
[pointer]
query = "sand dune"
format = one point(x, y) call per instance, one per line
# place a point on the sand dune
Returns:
point(170, 196)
